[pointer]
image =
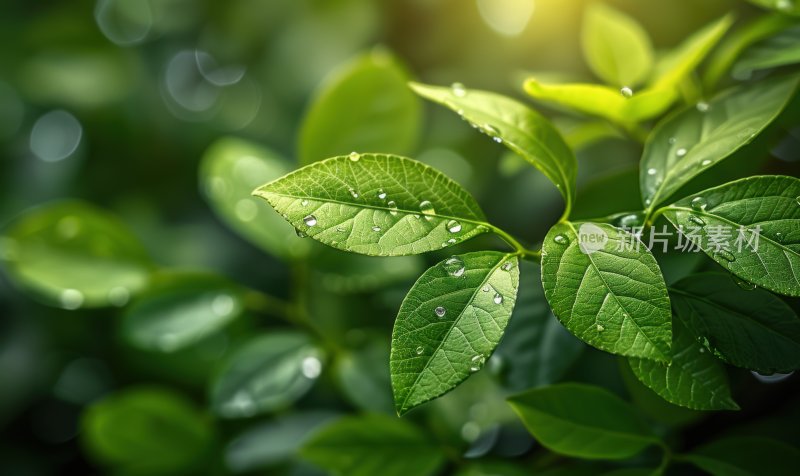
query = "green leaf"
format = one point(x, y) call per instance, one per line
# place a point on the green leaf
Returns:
point(788, 7)
point(750, 226)
point(607, 289)
point(493, 468)
point(694, 379)
point(449, 324)
point(517, 126)
point(366, 106)
point(274, 441)
point(231, 168)
point(72, 254)
point(779, 50)
point(344, 273)
point(145, 430)
point(364, 379)
point(616, 47)
point(749, 328)
point(180, 309)
point(373, 444)
point(379, 205)
point(583, 421)
point(746, 456)
point(266, 374)
point(693, 140)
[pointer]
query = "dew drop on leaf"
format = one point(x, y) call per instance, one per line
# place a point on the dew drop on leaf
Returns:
point(681, 152)
point(600, 328)
point(71, 299)
point(458, 89)
point(453, 226)
point(672, 140)
point(744, 284)
point(427, 209)
point(381, 194)
point(376, 228)
point(304, 203)
point(311, 367)
point(561, 240)
point(629, 221)
point(725, 255)
point(310, 220)
point(353, 193)
point(392, 207)
point(626, 92)
point(440, 311)
point(507, 266)
point(498, 298)
point(705, 163)
point(354, 156)
point(477, 362)
point(455, 266)
point(300, 233)
point(419, 350)
point(703, 106)
point(697, 220)
point(699, 204)
point(486, 289)
point(652, 171)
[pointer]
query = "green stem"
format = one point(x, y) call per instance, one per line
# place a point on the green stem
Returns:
point(519, 249)
point(665, 459)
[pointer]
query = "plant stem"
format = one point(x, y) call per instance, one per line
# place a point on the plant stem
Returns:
point(519, 249)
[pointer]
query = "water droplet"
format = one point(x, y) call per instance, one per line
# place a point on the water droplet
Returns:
point(561, 240)
point(492, 132)
point(705, 163)
point(458, 89)
point(626, 92)
point(600, 328)
point(311, 367)
point(453, 226)
point(672, 140)
point(246, 209)
point(652, 171)
point(699, 204)
point(304, 203)
point(222, 305)
point(392, 207)
point(746, 285)
point(797, 200)
point(697, 220)
point(419, 350)
point(300, 233)
point(376, 228)
point(426, 208)
point(486, 288)
point(71, 299)
point(477, 362)
point(507, 266)
point(648, 201)
point(118, 296)
point(451, 241)
point(455, 266)
point(310, 220)
point(354, 156)
point(340, 229)
point(498, 298)
point(725, 255)
point(381, 194)
point(440, 311)
point(703, 106)
point(353, 193)
point(681, 152)
point(629, 221)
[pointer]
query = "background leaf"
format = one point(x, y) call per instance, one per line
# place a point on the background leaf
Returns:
point(449, 324)
point(145, 430)
point(365, 107)
point(380, 205)
point(373, 444)
point(694, 379)
point(582, 421)
point(72, 254)
point(616, 47)
point(767, 202)
point(266, 374)
point(517, 126)
point(749, 328)
point(364, 378)
point(180, 309)
point(697, 138)
point(746, 455)
point(613, 300)
point(783, 6)
point(777, 50)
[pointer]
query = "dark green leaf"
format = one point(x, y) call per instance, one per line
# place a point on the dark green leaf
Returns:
point(230, 170)
point(363, 377)
point(365, 107)
point(373, 444)
point(779, 50)
point(616, 47)
point(380, 205)
point(690, 142)
point(146, 431)
point(73, 254)
point(694, 379)
point(749, 328)
point(583, 421)
point(750, 226)
point(517, 126)
point(450, 323)
point(608, 292)
point(180, 309)
point(266, 374)
point(746, 456)
point(788, 7)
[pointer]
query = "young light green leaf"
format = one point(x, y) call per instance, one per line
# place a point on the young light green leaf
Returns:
point(788, 7)
point(180, 309)
point(517, 126)
point(746, 456)
point(379, 205)
point(693, 140)
point(266, 374)
point(616, 47)
point(750, 226)
point(605, 286)
point(583, 421)
point(231, 168)
point(366, 106)
point(779, 50)
point(746, 327)
point(146, 430)
point(72, 254)
point(373, 444)
point(694, 379)
point(449, 324)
